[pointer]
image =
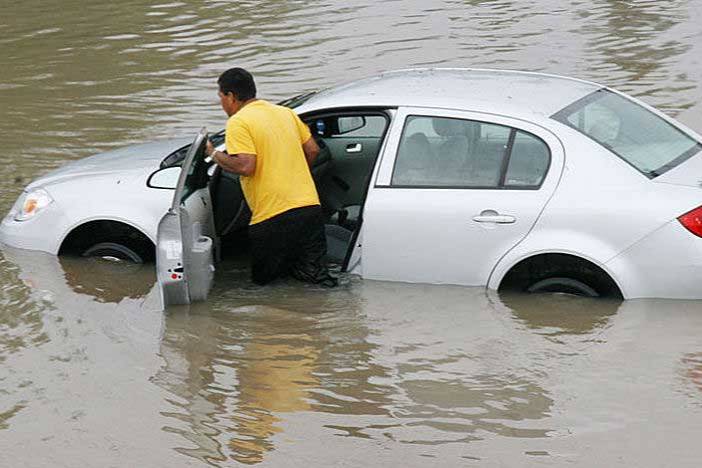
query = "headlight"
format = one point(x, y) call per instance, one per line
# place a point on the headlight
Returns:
point(31, 204)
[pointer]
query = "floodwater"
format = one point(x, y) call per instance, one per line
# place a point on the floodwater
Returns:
point(93, 373)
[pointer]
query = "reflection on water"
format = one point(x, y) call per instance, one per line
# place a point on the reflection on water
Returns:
point(692, 369)
point(460, 409)
point(237, 372)
point(21, 313)
point(107, 281)
point(91, 371)
point(558, 315)
point(410, 370)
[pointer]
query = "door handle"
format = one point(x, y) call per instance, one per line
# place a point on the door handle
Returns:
point(354, 148)
point(492, 216)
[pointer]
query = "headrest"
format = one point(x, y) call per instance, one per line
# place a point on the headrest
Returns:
point(419, 139)
point(449, 127)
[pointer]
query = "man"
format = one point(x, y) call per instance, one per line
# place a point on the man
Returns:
point(273, 150)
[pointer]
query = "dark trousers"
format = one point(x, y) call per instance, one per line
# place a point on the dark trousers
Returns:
point(291, 243)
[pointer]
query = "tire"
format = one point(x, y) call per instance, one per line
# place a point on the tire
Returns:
point(564, 286)
point(114, 250)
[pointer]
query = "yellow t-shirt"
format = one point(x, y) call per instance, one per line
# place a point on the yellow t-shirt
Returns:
point(282, 180)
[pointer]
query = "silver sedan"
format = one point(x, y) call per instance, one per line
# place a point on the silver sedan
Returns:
point(503, 179)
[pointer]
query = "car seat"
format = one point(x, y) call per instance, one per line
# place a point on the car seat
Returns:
point(415, 163)
point(455, 152)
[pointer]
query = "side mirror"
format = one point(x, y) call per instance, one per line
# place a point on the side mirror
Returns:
point(351, 123)
point(166, 178)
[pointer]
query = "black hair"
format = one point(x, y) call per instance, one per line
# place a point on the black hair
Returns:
point(239, 82)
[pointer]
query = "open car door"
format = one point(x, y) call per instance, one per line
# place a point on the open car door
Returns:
point(186, 237)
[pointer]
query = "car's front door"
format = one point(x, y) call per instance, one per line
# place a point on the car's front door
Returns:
point(354, 139)
point(454, 192)
point(186, 234)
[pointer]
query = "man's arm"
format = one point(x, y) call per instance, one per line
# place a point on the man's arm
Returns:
point(311, 150)
point(243, 163)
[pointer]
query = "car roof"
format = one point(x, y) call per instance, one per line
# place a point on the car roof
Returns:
point(515, 93)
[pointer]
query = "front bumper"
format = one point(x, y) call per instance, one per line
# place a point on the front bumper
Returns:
point(40, 233)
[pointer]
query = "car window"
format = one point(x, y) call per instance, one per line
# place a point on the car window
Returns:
point(197, 177)
point(528, 161)
point(177, 157)
point(373, 127)
point(632, 132)
point(448, 152)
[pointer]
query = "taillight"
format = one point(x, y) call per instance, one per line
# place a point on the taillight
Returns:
point(693, 221)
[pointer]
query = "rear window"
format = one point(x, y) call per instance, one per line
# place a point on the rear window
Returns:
point(638, 136)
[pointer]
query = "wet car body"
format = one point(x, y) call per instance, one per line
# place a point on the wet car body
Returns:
point(490, 178)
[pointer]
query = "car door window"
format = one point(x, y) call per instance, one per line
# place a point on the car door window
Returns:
point(528, 161)
point(371, 126)
point(449, 152)
point(197, 177)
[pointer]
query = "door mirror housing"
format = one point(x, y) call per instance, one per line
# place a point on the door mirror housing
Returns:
point(166, 178)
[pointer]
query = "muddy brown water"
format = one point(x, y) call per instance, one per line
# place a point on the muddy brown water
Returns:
point(93, 373)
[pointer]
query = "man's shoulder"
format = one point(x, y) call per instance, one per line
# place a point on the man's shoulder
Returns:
point(269, 107)
point(254, 111)
point(236, 120)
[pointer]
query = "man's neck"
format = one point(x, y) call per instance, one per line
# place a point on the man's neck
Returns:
point(245, 103)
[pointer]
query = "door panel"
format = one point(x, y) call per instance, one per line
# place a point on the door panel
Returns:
point(430, 228)
point(186, 235)
point(353, 167)
point(353, 139)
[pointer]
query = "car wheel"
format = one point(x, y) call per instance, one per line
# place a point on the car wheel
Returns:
point(563, 286)
point(113, 250)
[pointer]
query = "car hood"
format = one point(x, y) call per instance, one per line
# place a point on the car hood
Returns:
point(144, 157)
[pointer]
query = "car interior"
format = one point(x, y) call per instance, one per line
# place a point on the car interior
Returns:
point(349, 144)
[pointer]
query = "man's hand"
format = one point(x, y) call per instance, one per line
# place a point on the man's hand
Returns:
point(209, 149)
point(311, 151)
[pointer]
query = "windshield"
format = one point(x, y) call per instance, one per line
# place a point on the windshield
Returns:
point(638, 136)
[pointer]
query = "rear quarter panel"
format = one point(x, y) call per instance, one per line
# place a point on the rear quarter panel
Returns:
point(601, 207)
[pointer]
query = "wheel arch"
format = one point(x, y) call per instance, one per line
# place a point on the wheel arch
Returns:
point(508, 274)
point(81, 230)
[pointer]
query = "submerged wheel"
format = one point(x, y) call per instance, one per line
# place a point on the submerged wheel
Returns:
point(564, 286)
point(560, 273)
point(113, 250)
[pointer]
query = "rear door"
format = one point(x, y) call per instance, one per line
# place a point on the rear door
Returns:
point(455, 191)
point(186, 235)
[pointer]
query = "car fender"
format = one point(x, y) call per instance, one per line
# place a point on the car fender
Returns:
point(590, 248)
point(150, 233)
point(128, 201)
